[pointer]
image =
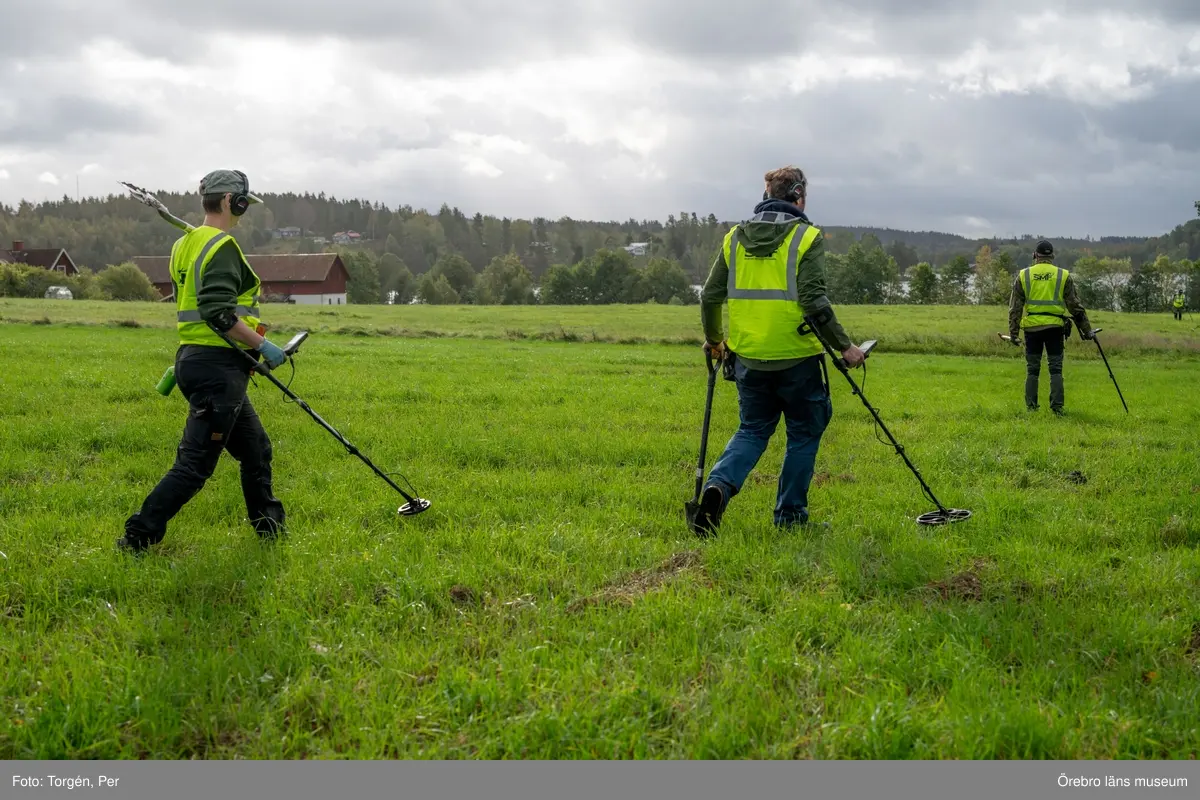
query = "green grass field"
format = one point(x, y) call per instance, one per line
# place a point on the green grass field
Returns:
point(551, 603)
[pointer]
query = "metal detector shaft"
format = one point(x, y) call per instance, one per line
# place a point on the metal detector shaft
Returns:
point(1096, 339)
point(840, 363)
point(263, 370)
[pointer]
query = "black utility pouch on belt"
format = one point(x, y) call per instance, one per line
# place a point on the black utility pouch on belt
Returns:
point(727, 366)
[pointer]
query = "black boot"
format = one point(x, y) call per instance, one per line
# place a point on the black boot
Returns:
point(712, 507)
point(271, 525)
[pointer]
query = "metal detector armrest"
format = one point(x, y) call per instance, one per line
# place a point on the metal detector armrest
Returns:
point(294, 343)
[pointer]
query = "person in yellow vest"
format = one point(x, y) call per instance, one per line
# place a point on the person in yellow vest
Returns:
point(1043, 294)
point(1178, 304)
point(771, 272)
point(215, 290)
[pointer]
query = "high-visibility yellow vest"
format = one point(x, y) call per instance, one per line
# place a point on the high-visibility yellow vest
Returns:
point(1178, 302)
point(764, 308)
point(189, 257)
point(1044, 290)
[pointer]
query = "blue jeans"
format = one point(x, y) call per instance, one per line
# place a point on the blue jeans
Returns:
point(798, 393)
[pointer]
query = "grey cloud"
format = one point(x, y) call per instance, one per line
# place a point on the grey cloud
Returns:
point(54, 120)
point(463, 35)
point(876, 153)
point(1169, 116)
point(360, 145)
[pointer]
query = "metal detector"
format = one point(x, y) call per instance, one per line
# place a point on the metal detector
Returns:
point(943, 515)
point(692, 507)
point(413, 505)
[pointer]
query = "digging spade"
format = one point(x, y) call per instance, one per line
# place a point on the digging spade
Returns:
point(692, 507)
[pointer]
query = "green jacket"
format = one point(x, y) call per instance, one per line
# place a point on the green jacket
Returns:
point(762, 239)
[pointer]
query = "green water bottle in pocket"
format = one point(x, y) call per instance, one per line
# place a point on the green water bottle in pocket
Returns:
point(166, 384)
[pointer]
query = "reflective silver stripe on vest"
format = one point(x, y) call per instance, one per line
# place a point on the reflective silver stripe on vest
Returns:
point(194, 316)
point(1054, 301)
point(773, 217)
point(767, 294)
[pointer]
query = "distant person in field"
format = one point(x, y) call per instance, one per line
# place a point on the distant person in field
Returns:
point(771, 271)
point(1178, 304)
point(1042, 295)
point(215, 290)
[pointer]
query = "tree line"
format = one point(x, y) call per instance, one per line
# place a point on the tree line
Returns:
point(404, 254)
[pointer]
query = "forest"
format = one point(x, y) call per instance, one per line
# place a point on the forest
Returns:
point(404, 254)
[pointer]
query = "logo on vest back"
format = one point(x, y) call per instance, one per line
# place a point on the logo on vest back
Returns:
point(1045, 277)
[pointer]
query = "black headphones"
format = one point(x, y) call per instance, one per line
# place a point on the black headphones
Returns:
point(795, 194)
point(240, 203)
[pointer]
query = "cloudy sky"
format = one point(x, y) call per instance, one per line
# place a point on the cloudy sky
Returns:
point(1051, 117)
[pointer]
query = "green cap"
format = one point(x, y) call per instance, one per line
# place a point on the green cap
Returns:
point(220, 181)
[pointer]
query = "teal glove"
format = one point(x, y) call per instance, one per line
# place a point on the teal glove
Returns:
point(272, 354)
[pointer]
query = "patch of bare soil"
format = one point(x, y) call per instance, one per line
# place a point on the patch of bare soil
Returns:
point(963, 586)
point(638, 583)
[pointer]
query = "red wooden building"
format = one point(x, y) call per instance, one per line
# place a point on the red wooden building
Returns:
point(308, 278)
point(54, 259)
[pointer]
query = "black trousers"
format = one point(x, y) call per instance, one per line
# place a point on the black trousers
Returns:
point(1051, 341)
point(220, 418)
point(1178, 313)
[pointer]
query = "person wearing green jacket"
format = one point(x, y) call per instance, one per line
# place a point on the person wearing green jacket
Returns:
point(771, 272)
point(1043, 301)
point(215, 290)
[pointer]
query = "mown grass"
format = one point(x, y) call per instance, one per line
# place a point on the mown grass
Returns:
point(551, 604)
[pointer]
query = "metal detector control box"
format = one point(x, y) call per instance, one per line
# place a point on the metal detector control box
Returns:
point(294, 344)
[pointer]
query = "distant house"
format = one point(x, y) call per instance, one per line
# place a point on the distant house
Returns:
point(290, 232)
point(306, 279)
point(54, 259)
point(637, 248)
point(346, 237)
